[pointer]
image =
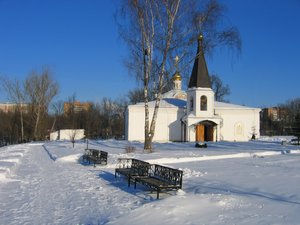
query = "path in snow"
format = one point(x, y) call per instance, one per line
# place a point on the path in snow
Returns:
point(57, 192)
point(49, 186)
point(9, 158)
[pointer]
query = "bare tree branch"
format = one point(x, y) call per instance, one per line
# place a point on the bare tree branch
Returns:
point(157, 30)
point(40, 89)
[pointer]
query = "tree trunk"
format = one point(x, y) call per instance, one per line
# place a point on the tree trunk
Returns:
point(53, 124)
point(148, 143)
point(22, 125)
point(146, 68)
point(37, 120)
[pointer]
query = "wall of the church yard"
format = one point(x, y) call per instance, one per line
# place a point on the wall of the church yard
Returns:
point(67, 134)
point(126, 123)
point(238, 124)
point(168, 124)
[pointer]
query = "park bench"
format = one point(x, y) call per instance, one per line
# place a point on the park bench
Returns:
point(95, 156)
point(132, 168)
point(161, 178)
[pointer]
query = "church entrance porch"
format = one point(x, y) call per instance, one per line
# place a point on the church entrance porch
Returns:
point(205, 131)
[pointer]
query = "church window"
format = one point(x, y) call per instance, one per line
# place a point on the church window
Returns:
point(239, 129)
point(203, 103)
point(191, 104)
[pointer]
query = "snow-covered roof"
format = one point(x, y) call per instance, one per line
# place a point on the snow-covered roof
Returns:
point(224, 105)
point(179, 94)
point(166, 103)
point(174, 102)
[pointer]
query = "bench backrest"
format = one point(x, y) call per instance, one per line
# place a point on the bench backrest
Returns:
point(103, 155)
point(137, 166)
point(87, 151)
point(95, 152)
point(170, 175)
point(124, 162)
point(140, 167)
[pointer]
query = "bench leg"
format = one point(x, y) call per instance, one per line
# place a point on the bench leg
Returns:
point(128, 181)
point(157, 195)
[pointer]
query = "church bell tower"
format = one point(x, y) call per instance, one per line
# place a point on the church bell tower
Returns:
point(200, 96)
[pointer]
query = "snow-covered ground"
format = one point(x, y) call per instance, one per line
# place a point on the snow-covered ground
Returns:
point(227, 183)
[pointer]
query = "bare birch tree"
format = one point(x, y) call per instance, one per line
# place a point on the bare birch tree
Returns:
point(58, 109)
point(156, 30)
point(73, 136)
point(153, 22)
point(40, 90)
point(16, 94)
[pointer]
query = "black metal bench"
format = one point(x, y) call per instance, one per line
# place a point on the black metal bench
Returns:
point(87, 153)
point(95, 156)
point(132, 168)
point(161, 178)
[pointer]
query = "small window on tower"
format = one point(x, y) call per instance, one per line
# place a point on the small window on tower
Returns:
point(191, 104)
point(203, 105)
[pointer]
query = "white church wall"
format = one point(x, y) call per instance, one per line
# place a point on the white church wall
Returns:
point(191, 134)
point(175, 125)
point(238, 124)
point(168, 124)
point(126, 124)
point(162, 125)
point(135, 128)
point(234, 123)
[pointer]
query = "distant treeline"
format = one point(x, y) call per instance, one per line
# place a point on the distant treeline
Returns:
point(100, 120)
point(283, 119)
point(32, 115)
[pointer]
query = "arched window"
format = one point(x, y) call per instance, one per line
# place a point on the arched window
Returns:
point(191, 104)
point(239, 129)
point(203, 103)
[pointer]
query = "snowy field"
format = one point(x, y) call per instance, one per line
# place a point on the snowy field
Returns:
point(227, 183)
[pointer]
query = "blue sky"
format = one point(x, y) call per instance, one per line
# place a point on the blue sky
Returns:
point(78, 40)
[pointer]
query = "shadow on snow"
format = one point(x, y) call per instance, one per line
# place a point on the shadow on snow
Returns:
point(121, 182)
point(223, 188)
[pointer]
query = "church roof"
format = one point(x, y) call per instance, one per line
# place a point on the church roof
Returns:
point(179, 94)
point(176, 76)
point(181, 103)
point(199, 76)
point(224, 105)
point(165, 103)
point(175, 102)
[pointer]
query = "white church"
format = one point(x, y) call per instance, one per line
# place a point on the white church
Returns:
point(194, 115)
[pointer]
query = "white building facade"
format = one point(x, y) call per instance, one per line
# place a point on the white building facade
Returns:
point(194, 115)
point(67, 134)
